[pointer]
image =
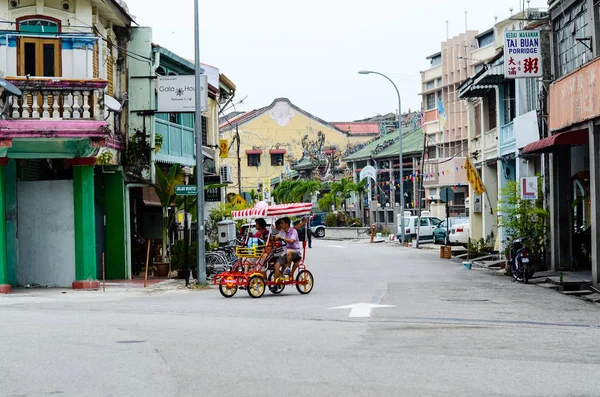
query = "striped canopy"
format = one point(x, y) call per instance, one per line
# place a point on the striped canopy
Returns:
point(279, 210)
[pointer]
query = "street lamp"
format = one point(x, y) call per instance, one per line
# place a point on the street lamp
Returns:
point(265, 158)
point(401, 163)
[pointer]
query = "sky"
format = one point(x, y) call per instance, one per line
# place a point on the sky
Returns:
point(310, 51)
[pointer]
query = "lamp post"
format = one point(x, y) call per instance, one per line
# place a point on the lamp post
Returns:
point(199, 154)
point(266, 164)
point(402, 229)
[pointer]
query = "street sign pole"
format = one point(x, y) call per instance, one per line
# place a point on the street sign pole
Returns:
point(186, 242)
point(199, 155)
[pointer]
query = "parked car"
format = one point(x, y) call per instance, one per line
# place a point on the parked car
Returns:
point(318, 224)
point(459, 233)
point(428, 223)
point(439, 233)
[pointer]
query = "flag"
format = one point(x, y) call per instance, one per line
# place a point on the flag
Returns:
point(473, 178)
point(441, 113)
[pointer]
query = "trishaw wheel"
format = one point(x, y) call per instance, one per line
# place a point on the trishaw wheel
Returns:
point(305, 282)
point(275, 289)
point(256, 286)
point(228, 291)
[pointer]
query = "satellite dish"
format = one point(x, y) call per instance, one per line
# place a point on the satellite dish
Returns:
point(10, 88)
point(112, 104)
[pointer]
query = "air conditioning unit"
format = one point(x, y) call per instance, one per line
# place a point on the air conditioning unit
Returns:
point(226, 174)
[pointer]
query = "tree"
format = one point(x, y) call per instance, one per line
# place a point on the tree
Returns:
point(165, 190)
point(524, 218)
point(360, 188)
point(293, 191)
point(326, 202)
point(304, 188)
point(342, 188)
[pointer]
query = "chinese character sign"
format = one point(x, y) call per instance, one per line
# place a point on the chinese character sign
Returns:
point(522, 54)
point(473, 178)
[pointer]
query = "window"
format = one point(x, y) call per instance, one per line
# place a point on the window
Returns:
point(492, 122)
point(277, 159)
point(486, 40)
point(424, 222)
point(432, 191)
point(459, 199)
point(431, 152)
point(532, 89)
point(110, 77)
point(571, 24)
point(439, 82)
point(430, 99)
point(436, 60)
point(254, 160)
point(39, 57)
point(509, 102)
point(430, 85)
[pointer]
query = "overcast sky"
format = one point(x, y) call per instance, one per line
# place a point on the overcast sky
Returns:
point(310, 51)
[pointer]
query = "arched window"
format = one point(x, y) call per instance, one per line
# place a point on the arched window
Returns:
point(39, 56)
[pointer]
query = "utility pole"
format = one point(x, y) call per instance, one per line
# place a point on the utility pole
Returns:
point(420, 188)
point(199, 154)
point(239, 159)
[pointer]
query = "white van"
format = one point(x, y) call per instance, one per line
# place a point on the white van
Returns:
point(428, 223)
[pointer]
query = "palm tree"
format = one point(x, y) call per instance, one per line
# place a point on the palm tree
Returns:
point(326, 202)
point(282, 191)
point(342, 188)
point(304, 188)
point(165, 190)
point(360, 188)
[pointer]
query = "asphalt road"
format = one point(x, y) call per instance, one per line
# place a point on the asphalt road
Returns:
point(449, 331)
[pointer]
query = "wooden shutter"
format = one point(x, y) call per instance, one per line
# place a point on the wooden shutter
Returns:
point(110, 69)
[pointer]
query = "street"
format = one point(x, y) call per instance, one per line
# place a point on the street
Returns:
point(447, 331)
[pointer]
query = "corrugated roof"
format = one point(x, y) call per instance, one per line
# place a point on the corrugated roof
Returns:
point(412, 143)
point(358, 128)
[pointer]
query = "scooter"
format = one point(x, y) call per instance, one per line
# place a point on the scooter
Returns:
point(520, 265)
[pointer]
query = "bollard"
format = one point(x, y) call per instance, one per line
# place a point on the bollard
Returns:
point(372, 233)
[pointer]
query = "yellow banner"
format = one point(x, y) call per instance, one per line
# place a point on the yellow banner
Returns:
point(224, 148)
point(473, 178)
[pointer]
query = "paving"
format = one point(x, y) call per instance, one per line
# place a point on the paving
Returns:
point(430, 328)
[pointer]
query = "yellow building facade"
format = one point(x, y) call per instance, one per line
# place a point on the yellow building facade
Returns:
point(273, 139)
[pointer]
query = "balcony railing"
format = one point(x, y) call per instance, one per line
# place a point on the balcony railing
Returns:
point(507, 139)
point(178, 143)
point(490, 143)
point(58, 99)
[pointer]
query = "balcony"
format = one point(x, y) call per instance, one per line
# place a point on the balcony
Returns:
point(55, 108)
point(178, 143)
point(508, 143)
point(490, 144)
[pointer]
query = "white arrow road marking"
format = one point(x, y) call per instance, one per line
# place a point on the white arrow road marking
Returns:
point(360, 309)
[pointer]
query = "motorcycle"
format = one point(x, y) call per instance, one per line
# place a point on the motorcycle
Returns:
point(520, 261)
point(582, 248)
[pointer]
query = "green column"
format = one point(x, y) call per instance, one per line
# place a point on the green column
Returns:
point(85, 224)
point(4, 286)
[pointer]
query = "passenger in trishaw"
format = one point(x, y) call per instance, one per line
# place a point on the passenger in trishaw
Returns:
point(261, 236)
point(290, 236)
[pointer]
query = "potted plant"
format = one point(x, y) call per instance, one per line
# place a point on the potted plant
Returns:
point(158, 142)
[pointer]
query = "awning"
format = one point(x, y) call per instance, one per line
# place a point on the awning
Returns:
point(480, 84)
point(276, 151)
point(549, 144)
point(253, 151)
point(150, 198)
point(208, 153)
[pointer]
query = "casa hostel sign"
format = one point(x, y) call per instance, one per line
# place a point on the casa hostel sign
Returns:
point(522, 54)
point(177, 94)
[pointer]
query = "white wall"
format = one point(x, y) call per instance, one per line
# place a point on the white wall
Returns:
point(46, 233)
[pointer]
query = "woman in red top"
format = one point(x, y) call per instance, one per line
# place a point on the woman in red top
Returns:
point(262, 233)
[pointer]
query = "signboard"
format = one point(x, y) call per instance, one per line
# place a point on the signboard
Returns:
point(522, 54)
point(368, 172)
point(529, 188)
point(238, 199)
point(446, 194)
point(186, 190)
point(177, 94)
point(267, 189)
point(473, 178)
point(224, 146)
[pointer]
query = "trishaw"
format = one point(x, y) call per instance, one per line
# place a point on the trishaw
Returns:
point(261, 259)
